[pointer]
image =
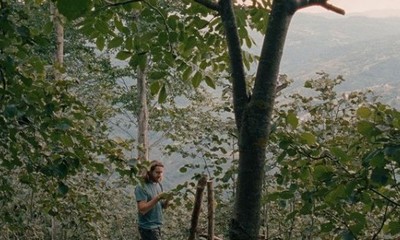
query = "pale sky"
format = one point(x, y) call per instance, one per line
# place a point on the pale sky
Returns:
point(357, 6)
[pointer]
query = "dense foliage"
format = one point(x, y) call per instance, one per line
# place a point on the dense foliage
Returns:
point(333, 160)
point(334, 171)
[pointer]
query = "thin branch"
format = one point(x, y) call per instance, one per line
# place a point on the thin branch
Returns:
point(164, 21)
point(3, 80)
point(384, 218)
point(385, 197)
point(209, 4)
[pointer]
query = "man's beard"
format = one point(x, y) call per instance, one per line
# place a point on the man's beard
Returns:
point(154, 179)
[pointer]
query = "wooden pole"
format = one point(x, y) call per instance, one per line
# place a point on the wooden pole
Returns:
point(197, 206)
point(210, 200)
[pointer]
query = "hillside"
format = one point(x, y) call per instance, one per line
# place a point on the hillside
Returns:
point(365, 50)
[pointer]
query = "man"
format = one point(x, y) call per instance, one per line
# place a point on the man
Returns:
point(150, 202)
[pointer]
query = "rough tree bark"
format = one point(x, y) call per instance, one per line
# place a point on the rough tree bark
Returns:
point(253, 114)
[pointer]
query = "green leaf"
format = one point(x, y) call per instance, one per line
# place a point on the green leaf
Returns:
point(158, 75)
point(286, 195)
point(72, 9)
point(335, 195)
point(322, 173)
point(154, 87)
point(123, 55)
point(61, 170)
point(308, 84)
point(367, 129)
point(340, 154)
point(308, 138)
point(100, 43)
point(196, 80)
point(347, 235)
point(359, 220)
point(100, 168)
point(393, 228)
point(62, 188)
point(186, 74)
point(100, 26)
point(115, 42)
point(162, 95)
point(327, 227)
point(393, 152)
point(162, 38)
point(292, 119)
point(210, 82)
point(364, 112)
point(189, 43)
point(375, 159)
point(138, 60)
point(380, 176)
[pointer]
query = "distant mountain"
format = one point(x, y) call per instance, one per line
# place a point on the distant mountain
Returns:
point(365, 50)
point(383, 13)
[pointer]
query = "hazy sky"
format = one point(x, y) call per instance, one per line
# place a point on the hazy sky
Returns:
point(355, 6)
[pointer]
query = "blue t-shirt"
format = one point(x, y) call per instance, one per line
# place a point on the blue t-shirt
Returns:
point(153, 218)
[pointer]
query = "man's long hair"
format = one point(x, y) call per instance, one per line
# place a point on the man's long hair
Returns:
point(153, 164)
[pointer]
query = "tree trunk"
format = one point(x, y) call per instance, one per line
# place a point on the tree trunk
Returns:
point(254, 128)
point(143, 121)
point(58, 65)
point(253, 119)
point(59, 30)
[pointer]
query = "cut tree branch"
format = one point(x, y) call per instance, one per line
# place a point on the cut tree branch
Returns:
point(299, 4)
point(209, 4)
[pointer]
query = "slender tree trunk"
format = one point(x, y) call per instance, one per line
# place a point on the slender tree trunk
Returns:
point(143, 121)
point(57, 19)
point(59, 30)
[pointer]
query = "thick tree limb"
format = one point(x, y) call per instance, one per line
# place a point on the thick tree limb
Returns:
point(240, 97)
point(209, 4)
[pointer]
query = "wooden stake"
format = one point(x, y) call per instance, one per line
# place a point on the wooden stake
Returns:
point(197, 206)
point(210, 200)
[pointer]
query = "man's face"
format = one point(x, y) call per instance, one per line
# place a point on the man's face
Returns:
point(157, 174)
